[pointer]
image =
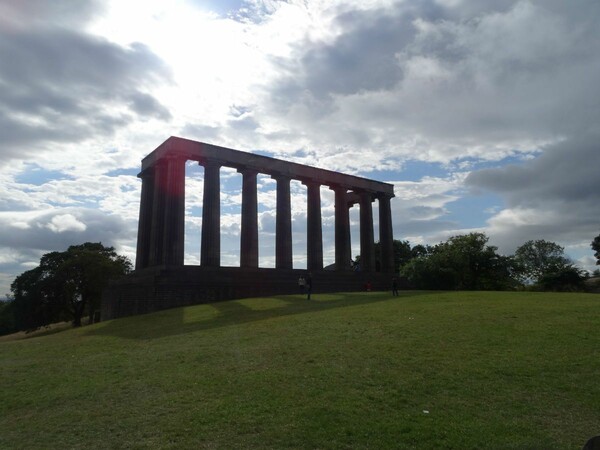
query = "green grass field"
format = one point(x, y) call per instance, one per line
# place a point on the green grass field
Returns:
point(461, 370)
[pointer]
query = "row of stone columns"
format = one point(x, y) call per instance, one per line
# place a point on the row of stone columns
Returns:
point(162, 213)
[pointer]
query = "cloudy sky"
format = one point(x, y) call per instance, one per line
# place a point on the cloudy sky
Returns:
point(484, 114)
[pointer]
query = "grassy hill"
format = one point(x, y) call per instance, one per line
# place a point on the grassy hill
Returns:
point(363, 370)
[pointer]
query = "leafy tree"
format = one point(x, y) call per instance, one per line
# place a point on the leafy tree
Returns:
point(428, 272)
point(462, 262)
point(568, 278)
point(534, 259)
point(596, 247)
point(402, 254)
point(8, 323)
point(35, 301)
point(86, 271)
point(66, 285)
point(421, 250)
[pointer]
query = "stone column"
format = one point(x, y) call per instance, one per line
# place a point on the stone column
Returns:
point(283, 224)
point(210, 254)
point(386, 237)
point(342, 229)
point(156, 252)
point(145, 220)
point(173, 238)
point(314, 229)
point(249, 232)
point(367, 245)
point(349, 238)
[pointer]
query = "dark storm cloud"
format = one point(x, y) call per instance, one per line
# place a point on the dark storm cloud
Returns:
point(362, 58)
point(564, 172)
point(62, 85)
point(147, 106)
point(464, 76)
point(16, 14)
point(364, 55)
point(554, 196)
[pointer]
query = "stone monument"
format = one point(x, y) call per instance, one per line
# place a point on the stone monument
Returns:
point(161, 280)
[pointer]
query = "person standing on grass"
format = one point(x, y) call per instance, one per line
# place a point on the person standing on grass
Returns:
point(301, 284)
point(308, 285)
point(395, 286)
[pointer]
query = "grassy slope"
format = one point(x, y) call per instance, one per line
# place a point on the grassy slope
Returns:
point(494, 370)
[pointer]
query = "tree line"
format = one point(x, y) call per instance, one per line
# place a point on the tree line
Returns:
point(66, 286)
point(468, 262)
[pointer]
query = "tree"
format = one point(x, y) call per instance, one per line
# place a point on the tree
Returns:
point(596, 247)
point(86, 271)
point(7, 317)
point(36, 302)
point(402, 254)
point(66, 285)
point(428, 272)
point(566, 279)
point(462, 262)
point(534, 259)
point(421, 250)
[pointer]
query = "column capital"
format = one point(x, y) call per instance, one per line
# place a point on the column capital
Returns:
point(211, 163)
point(281, 176)
point(310, 182)
point(339, 187)
point(366, 195)
point(146, 173)
point(244, 170)
point(384, 195)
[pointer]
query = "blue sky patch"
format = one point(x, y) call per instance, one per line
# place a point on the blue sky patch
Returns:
point(118, 172)
point(36, 175)
point(472, 211)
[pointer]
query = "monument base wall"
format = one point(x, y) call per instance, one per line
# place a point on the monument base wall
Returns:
point(162, 287)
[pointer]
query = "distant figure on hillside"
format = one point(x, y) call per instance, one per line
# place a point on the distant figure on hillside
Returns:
point(368, 286)
point(395, 286)
point(308, 285)
point(302, 284)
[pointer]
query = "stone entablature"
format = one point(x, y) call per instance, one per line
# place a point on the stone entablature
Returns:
point(162, 209)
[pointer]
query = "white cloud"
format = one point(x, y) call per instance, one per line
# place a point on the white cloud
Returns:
point(363, 87)
point(65, 222)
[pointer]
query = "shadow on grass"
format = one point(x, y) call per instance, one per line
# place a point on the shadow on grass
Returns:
point(41, 332)
point(233, 312)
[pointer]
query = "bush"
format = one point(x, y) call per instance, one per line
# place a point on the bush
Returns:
point(566, 279)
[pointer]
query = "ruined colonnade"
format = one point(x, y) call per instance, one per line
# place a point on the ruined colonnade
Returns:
point(162, 209)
